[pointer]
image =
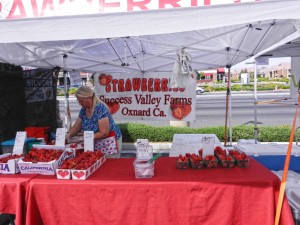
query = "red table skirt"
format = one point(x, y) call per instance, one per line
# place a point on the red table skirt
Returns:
point(112, 195)
point(12, 194)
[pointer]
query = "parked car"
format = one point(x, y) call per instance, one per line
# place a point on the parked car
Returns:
point(199, 90)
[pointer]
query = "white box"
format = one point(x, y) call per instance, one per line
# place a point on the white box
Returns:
point(84, 174)
point(143, 169)
point(11, 167)
point(46, 168)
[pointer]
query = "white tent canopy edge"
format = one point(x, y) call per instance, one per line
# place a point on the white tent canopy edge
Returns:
point(152, 22)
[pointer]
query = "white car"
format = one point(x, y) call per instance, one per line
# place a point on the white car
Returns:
point(199, 90)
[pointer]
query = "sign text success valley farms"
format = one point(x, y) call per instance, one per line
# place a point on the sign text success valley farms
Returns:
point(141, 97)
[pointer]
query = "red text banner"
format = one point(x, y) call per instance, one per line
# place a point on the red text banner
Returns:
point(16, 9)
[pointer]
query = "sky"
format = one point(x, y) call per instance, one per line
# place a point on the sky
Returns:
point(272, 62)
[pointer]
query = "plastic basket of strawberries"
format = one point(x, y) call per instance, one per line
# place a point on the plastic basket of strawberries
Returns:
point(226, 161)
point(241, 158)
point(211, 161)
point(196, 161)
point(182, 162)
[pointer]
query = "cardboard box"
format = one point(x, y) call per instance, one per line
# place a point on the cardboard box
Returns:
point(46, 168)
point(11, 167)
point(67, 174)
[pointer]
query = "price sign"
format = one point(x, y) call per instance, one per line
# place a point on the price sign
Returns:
point(19, 142)
point(142, 141)
point(88, 140)
point(60, 137)
point(144, 151)
point(208, 145)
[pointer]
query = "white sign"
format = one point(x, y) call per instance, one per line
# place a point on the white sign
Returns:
point(208, 145)
point(190, 143)
point(262, 61)
point(142, 141)
point(19, 142)
point(146, 96)
point(144, 151)
point(88, 140)
point(60, 137)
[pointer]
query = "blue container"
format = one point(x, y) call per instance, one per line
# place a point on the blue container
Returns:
point(276, 162)
point(272, 155)
point(8, 145)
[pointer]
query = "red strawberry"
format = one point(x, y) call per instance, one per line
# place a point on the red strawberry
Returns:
point(108, 78)
point(103, 79)
point(177, 113)
point(113, 107)
point(186, 109)
point(73, 146)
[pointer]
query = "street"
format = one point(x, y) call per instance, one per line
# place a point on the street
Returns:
point(210, 110)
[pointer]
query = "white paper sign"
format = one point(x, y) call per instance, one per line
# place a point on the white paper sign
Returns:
point(189, 143)
point(88, 140)
point(19, 142)
point(208, 145)
point(60, 137)
point(260, 61)
point(142, 141)
point(144, 151)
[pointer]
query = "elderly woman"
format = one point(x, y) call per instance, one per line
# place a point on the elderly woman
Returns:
point(94, 116)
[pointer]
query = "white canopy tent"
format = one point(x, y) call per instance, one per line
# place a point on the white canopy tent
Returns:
point(214, 36)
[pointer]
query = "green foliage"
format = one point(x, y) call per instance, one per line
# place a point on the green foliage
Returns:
point(263, 79)
point(132, 131)
point(60, 91)
point(284, 79)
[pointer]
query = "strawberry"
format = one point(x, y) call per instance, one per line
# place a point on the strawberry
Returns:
point(186, 109)
point(178, 113)
point(104, 79)
point(73, 146)
point(113, 107)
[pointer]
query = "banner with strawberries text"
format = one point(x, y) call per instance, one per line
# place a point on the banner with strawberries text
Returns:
point(146, 97)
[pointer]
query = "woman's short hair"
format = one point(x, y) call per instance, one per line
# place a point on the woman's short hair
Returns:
point(84, 92)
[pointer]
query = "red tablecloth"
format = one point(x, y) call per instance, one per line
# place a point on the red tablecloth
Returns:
point(112, 195)
point(12, 194)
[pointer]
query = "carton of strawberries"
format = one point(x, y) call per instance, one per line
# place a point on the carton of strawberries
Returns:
point(42, 159)
point(8, 163)
point(210, 161)
point(241, 158)
point(196, 161)
point(81, 166)
point(225, 160)
point(182, 162)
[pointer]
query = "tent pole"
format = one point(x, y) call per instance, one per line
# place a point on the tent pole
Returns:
point(226, 112)
point(229, 106)
point(66, 92)
point(255, 103)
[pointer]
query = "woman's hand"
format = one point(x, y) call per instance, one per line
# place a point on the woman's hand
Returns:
point(68, 138)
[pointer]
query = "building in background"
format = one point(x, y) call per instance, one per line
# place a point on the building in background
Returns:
point(282, 70)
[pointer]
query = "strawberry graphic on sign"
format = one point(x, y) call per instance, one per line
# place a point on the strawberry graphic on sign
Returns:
point(104, 79)
point(179, 111)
